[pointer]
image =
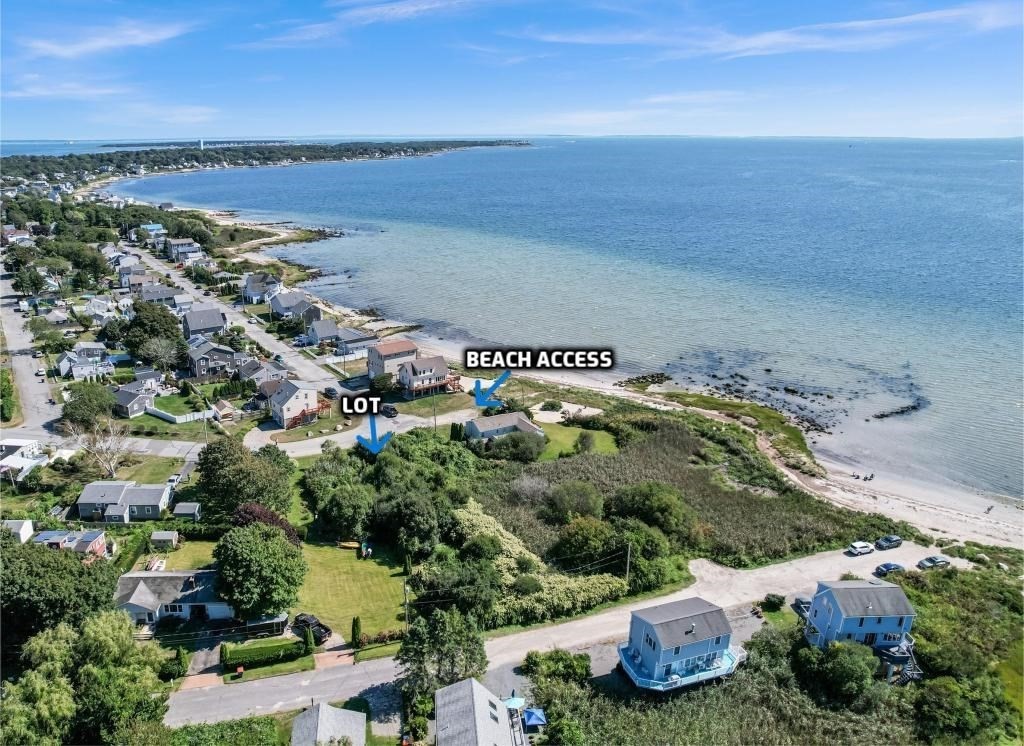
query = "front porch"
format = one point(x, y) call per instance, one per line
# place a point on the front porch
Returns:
point(723, 666)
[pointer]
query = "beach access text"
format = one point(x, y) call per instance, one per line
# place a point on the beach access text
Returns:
point(541, 358)
point(360, 405)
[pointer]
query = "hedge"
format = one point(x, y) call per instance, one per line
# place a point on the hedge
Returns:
point(232, 654)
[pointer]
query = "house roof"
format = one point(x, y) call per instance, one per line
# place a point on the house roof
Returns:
point(348, 334)
point(322, 724)
point(207, 347)
point(103, 492)
point(257, 282)
point(151, 589)
point(181, 242)
point(205, 318)
point(222, 405)
point(287, 300)
point(16, 526)
point(289, 388)
point(147, 374)
point(164, 536)
point(267, 389)
point(517, 420)
point(156, 291)
point(186, 508)
point(858, 598)
point(85, 538)
point(396, 347)
point(82, 346)
point(126, 395)
point(464, 716)
point(686, 621)
point(325, 328)
point(423, 365)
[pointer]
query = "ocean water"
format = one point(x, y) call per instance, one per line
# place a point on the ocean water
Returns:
point(866, 275)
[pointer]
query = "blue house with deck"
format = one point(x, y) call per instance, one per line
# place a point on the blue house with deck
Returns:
point(678, 644)
point(871, 612)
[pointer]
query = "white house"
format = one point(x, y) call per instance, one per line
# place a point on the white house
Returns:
point(260, 287)
point(296, 403)
point(22, 530)
point(18, 457)
point(483, 428)
point(148, 596)
point(469, 714)
point(423, 376)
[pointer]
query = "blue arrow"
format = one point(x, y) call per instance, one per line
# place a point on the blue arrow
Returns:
point(483, 398)
point(373, 445)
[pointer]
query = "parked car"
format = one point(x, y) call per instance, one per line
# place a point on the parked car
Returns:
point(320, 630)
point(888, 542)
point(37, 353)
point(252, 320)
point(331, 393)
point(279, 357)
point(41, 372)
point(207, 293)
point(936, 560)
point(860, 547)
point(389, 410)
point(888, 568)
point(173, 479)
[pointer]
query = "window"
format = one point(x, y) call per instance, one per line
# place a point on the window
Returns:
point(815, 614)
point(718, 640)
point(648, 641)
point(173, 608)
point(149, 510)
point(676, 650)
point(878, 620)
point(494, 717)
point(860, 622)
point(900, 623)
point(493, 705)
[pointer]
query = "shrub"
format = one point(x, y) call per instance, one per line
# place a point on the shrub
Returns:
point(308, 643)
point(584, 442)
point(418, 727)
point(557, 664)
point(176, 667)
point(524, 585)
point(773, 602)
point(482, 546)
point(522, 447)
point(551, 405)
point(572, 499)
point(357, 632)
point(232, 654)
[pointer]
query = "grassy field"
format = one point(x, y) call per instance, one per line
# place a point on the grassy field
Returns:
point(784, 617)
point(174, 404)
point(154, 427)
point(226, 236)
point(305, 663)
point(788, 439)
point(445, 403)
point(190, 555)
point(338, 587)
point(563, 438)
point(298, 511)
point(151, 469)
point(327, 423)
point(1011, 671)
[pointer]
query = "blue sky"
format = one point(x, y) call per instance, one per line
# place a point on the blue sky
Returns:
point(87, 69)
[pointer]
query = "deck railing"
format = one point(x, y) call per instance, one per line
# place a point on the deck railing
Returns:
point(730, 659)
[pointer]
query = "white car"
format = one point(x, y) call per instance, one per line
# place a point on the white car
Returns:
point(41, 372)
point(860, 547)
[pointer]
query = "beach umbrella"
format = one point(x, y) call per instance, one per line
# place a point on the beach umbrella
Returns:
point(534, 716)
point(514, 702)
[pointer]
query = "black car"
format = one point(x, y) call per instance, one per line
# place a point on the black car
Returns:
point(320, 630)
point(331, 393)
point(389, 410)
point(888, 542)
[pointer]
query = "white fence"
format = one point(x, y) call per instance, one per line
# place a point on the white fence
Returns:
point(179, 419)
point(357, 355)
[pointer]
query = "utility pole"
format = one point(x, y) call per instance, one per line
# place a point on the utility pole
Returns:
point(433, 400)
point(629, 557)
point(405, 591)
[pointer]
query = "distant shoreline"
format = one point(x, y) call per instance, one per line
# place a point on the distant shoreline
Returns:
point(934, 508)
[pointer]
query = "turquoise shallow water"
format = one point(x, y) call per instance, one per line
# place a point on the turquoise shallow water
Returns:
point(880, 272)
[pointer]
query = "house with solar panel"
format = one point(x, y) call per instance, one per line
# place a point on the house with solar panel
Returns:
point(871, 612)
point(679, 644)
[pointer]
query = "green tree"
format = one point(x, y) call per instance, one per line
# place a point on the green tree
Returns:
point(357, 632)
point(584, 442)
point(383, 385)
point(971, 710)
point(90, 403)
point(439, 651)
point(114, 330)
point(260, 571)
point(573, 499)
point(658, 505)
point(28, 281)
point(521, 447)
point(582, 540)
point(231, 475)
point(307, 640)
point(161, 352)
point(40, 588)
point(151, 321)
point(347, 509)
point(38, 709)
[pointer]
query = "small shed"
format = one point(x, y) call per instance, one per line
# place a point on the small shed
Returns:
point(223, 411)
point(187, 511)
point(164, 539)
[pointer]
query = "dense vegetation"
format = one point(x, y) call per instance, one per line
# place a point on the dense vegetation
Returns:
point(28, 166)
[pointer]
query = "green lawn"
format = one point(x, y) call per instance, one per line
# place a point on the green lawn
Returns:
point(298, 511)
point(190, 555)
point(151, 469)
point(153, 427)
point(305, 663)
point(1011, 671)
point(338, 587)
point(563, 438)
point(306, 432)
point(784, 617)
point(424, 407)
point(174, 404)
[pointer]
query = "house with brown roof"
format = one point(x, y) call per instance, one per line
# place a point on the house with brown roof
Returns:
point(387, 357)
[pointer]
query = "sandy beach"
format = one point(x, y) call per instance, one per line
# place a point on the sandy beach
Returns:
point(941, 511)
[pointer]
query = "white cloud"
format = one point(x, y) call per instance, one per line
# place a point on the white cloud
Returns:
point(34, 88)
point(841, 36)
point(122, 35)
point(695, 97)
point(141, 113)
point(358, 14)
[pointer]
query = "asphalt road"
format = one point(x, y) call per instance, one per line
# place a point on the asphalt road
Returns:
point(726, 587)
